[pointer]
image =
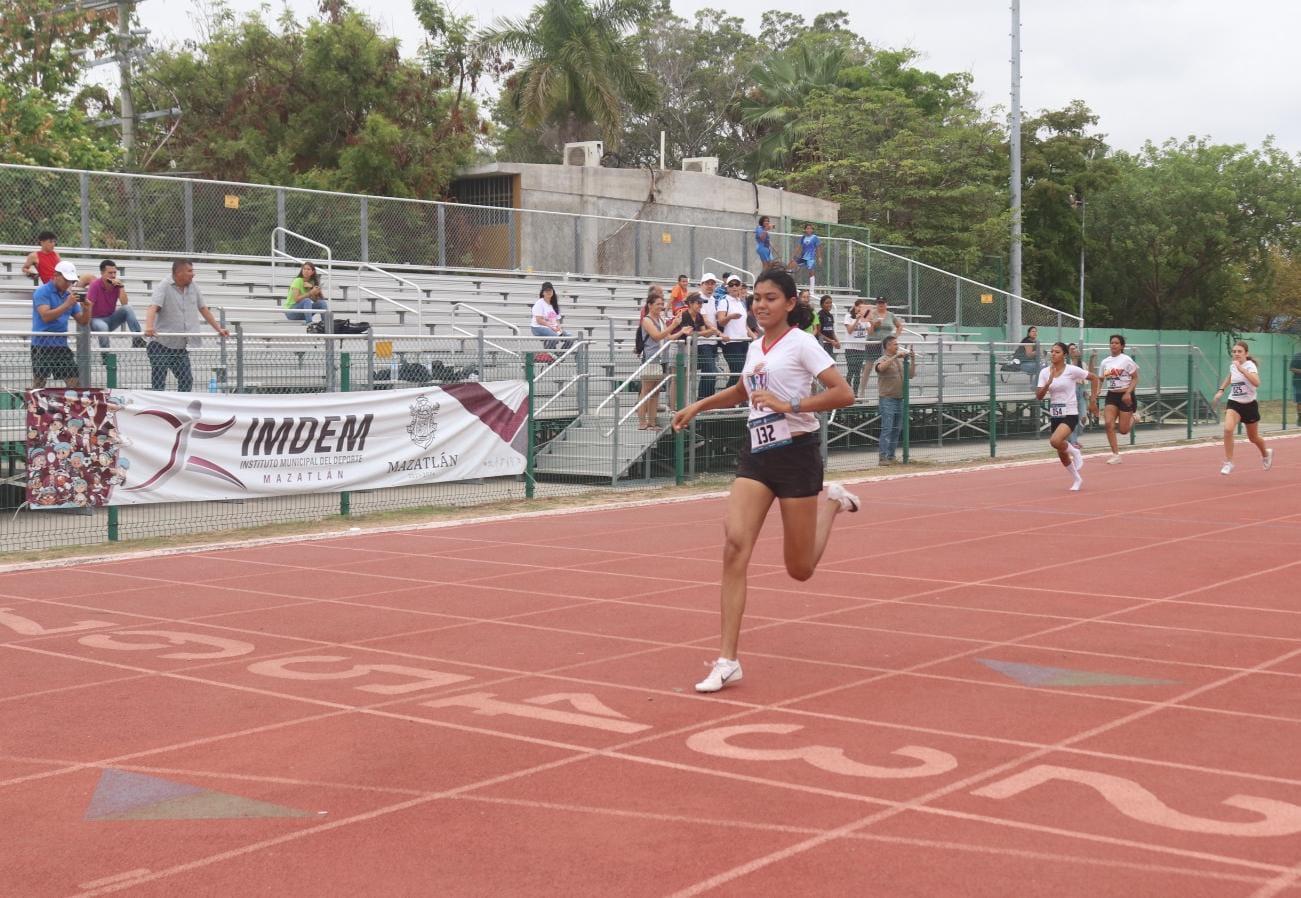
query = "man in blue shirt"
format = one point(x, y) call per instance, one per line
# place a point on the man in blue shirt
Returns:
point(810, 253)
point(53, 303)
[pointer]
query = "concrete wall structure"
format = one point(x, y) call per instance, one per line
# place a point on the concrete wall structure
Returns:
point(674, 221)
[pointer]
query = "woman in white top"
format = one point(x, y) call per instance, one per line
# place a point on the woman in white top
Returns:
point(781, 458)
point(546, 315)
point(1058, 382)
point(1120, 378)
point(1242, 380)
point(653, 331)
point(857, 328)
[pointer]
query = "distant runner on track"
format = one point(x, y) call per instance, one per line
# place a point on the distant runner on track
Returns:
point(1057, 382)
point(1242, 380)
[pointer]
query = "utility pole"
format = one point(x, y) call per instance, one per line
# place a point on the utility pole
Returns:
point(1083, 212)
point(1014, 301)
point(124, 69)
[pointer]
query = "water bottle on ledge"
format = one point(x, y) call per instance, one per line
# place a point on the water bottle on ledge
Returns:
point(212, 383)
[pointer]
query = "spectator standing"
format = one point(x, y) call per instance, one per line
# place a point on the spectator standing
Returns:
point(174, 311)
point(720, 289)
point(688, 324)
point(1295, 365)
point(53, 303)
point(827, 327)
point(546, 316)
point(763, 242)
point(305, 295)
point(39, 264)
point(707, 348)
point(809, 253)
point(678, 295)
point(882, 323)
point(889, 371)
point(857, 330)
point(1027, 355)
point(109, 305)
point(730, 315)
point(806, 301)
point(652, 332)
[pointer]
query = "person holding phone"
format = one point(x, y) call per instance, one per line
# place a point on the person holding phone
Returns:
point(53, 303)
point(110, 306)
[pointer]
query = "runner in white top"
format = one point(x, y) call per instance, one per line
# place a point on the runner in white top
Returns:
point(1119, 377)
point(782, 458)
point(1242, 380)
point(1057, 382)
point(855, 343)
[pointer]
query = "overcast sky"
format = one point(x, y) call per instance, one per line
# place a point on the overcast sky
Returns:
point(1150, 69)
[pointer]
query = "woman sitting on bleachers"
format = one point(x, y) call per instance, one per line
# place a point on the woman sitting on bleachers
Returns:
point(305, 296)
point(546, 316)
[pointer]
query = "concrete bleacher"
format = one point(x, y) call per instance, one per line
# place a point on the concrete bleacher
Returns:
point(398, 302)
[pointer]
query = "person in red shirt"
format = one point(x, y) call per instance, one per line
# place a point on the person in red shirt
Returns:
point(39, 265)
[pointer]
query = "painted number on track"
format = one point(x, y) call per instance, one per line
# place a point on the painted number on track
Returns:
point(421, 678)
point(716, 742)
point(1279, 818)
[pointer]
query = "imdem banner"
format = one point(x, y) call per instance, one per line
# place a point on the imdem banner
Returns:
point(134, 447)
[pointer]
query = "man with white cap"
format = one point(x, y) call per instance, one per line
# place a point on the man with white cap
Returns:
point(707, 347)
point(53, 303)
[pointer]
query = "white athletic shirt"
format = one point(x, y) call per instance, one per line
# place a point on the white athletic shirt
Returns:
point(1118, 373)
point(857, 338)
point(734, 329)
point(542, 309)
point(709, 310)
point(787, 369)
point(1061, 395)
point(1240, 389)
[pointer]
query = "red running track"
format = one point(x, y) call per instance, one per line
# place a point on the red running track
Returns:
point(991, 687)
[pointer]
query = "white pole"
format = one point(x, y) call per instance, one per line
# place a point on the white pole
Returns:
point(661, 151)
point(1084, 208)
point(1014, 302)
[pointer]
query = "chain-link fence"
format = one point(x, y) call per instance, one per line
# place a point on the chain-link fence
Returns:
point(106, 210)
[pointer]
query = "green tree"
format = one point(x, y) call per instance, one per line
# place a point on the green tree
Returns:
point(578, 67)
point(44, 110)
point(908, 154)
point(701, 70)
point(774, 107)
point(327, 104)
point(1063, 160)
point(1188, 232)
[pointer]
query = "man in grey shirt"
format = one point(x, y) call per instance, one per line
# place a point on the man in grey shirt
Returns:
point(175, 308)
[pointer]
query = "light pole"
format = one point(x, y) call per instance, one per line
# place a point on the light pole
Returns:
point(1077, 199)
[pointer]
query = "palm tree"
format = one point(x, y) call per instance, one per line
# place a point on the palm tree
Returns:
point(782, 83)
point(579, 65)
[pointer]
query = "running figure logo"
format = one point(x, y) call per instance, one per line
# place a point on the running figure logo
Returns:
point(186, 426)
point(424, 422)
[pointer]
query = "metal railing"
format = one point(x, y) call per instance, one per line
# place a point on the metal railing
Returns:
point(278, 253)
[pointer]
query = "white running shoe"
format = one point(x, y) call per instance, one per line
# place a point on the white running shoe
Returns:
point(1228, 468)
point(1268, 461)
point(1115, 459)
point(724, 671)
point(1077, 457)
point(1079, 482)
point(848, 501)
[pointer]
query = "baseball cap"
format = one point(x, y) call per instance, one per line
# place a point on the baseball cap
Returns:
point(707, 276)
point(67, 269)
point(733, 280)
point(880, 300)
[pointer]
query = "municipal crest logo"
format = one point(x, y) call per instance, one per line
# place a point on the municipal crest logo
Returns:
point(424, 422)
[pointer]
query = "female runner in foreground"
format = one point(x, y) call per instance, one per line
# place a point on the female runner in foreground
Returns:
point(1057, 382)
point(1242, 381)
point(782, 457)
